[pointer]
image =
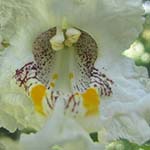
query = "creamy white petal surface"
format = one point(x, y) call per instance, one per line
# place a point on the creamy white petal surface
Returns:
point(61, 132)
point(7, 144)
point(108, 21)
point(113, 25)
point(16, 108)
point(121, 111)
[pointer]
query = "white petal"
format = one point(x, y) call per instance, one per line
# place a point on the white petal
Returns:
point(15, 15)
point(7, 144)
point(143, 108)
point(120, 110)
point(16, 108)
point(126, 123)
point(61, 131)
point(114, 24)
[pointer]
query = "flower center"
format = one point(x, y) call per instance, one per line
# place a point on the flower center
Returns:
point(63, 66)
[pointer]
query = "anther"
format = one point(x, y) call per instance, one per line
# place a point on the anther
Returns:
point(57, 42)
point(72, 35)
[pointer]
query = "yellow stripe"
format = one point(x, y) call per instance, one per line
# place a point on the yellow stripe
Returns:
point(38, 93)
point(91, 101)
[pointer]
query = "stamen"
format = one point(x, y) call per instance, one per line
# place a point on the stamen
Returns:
point(57, 41)
point(72, 35)
point(64, 23)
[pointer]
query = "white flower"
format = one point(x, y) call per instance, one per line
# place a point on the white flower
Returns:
point(135, 51)
point(90, 46)
point(116, 146)
point(145, 58)
point(146, 33)
point(146, 6)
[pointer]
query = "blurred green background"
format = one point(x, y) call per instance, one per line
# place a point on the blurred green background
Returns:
point(140, 49)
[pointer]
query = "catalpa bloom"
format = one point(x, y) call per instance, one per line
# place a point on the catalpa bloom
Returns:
point(64, 66)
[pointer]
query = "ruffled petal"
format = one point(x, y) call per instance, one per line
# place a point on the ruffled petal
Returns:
point(127, 123)
point(16, 107)
point(16, 15)
point(120, 113)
